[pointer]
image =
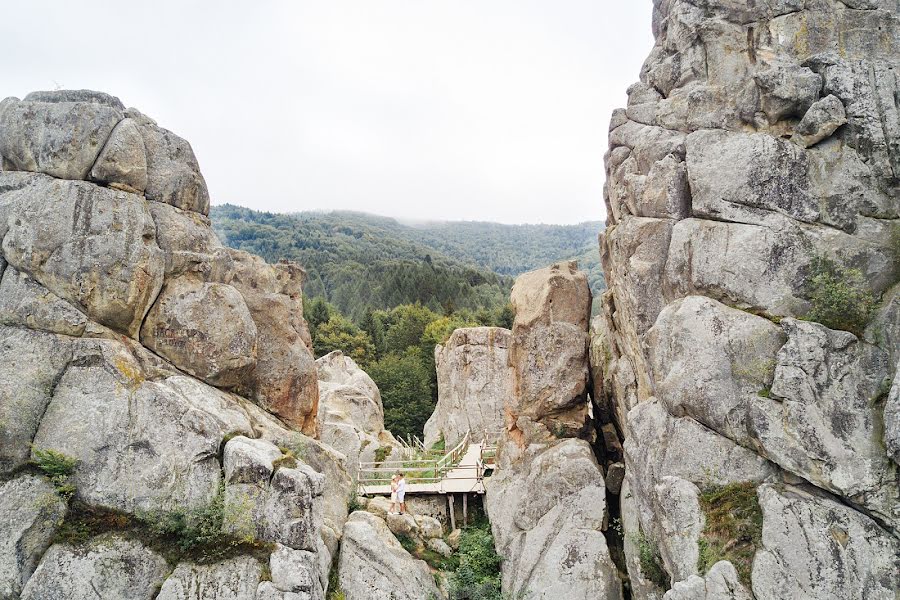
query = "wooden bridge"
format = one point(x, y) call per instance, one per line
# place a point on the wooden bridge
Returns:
point(460, 470)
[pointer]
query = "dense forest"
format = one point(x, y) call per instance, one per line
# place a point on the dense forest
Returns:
point(386, 293)
point(360, 262)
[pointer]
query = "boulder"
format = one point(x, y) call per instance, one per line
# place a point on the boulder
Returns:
point(374, 566)
point(91, 246)
point(186, 238)
point(108, 566)
point(551, 539)
point(61, 137)
point(351, 414)
point(271, 496)
point(122, 163)
point(233, 579)
point(721, 583)
point(475, 385)
point(815, 547)
point(30, 513)
point(204, 329)
point(549, 347)
point(173, 174)
point(821, 120)
point(295, 571)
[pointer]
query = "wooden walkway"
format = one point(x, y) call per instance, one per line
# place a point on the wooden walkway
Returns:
point(459, 471)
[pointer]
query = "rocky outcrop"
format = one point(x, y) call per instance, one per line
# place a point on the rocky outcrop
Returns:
point(551, 537)
point(475, 385)
point(374, 565)
point(752, 189)
point(350, 411)
point(170, 376)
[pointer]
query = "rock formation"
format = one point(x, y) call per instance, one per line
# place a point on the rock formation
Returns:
point(351, 413)
point(551, 538)
point(475, 385)
point(752, 190)
point(175, 374)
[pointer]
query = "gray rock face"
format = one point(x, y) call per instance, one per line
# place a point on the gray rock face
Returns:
point(816, 547)
point(892, 419)
point(294, 572)
point(30, 512)
point(107, 567)
point(91, 246)
point(25, 303)
point(475, 385)
point(203, 328)
point(374, 566)
point(31, 364)
point(234, 579)
point(761, 137)
point(61, 137)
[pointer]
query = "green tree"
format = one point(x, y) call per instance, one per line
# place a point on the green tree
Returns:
point(339, 333)
point(405, 384)
point(407, 326)
point(317, 311)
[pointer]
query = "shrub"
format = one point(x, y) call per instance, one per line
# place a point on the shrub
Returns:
point(478, 575)
point(58, 467)
point(839, 296)
point(733, 528)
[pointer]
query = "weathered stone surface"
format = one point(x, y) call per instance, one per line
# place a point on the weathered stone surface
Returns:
point(711, 362)
point(185, 237)
point(30, 512)
point(272, 499)
point(173, 174)
point(551, 539)
point(820, 121)
point(107, 567)
point(475, 385)
point(31, 364)
point(820, 420)
point(92, 246)
point(141, 445)
point(61, 138)
point(295, 571)
point(721, 583)
point(285, 380)
point(374, 566)
point(549, 347)
point(351, 414)
point(815, 547)
point(233, 579)
point(122, 163)
point(892, 419)
point(204, 329)
point(26, 303)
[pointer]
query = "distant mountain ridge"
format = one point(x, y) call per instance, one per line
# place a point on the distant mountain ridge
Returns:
point(360, 261)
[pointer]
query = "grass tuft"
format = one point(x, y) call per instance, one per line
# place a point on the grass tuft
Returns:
point(733, 530)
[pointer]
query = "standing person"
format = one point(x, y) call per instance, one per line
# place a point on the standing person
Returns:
point(394, 480)
point(401, 493)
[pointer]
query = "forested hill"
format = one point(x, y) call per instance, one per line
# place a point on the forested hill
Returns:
point(359, 261)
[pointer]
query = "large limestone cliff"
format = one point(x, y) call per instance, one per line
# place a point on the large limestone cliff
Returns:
point(175, 372)
point(753, 189)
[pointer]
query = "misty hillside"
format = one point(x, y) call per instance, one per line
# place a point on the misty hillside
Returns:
point(359, 261)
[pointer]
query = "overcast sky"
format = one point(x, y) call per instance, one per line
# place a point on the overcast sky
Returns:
point(420, 109)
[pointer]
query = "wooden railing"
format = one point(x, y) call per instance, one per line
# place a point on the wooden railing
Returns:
point(415, 470)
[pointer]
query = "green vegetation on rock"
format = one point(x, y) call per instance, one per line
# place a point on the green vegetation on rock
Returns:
point(733, 528)
point(58, 467)
point(651, 561)
point(478, 575)
point(839, 296)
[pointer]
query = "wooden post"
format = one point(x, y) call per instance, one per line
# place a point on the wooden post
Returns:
point(452, 512)
point(465, 510)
